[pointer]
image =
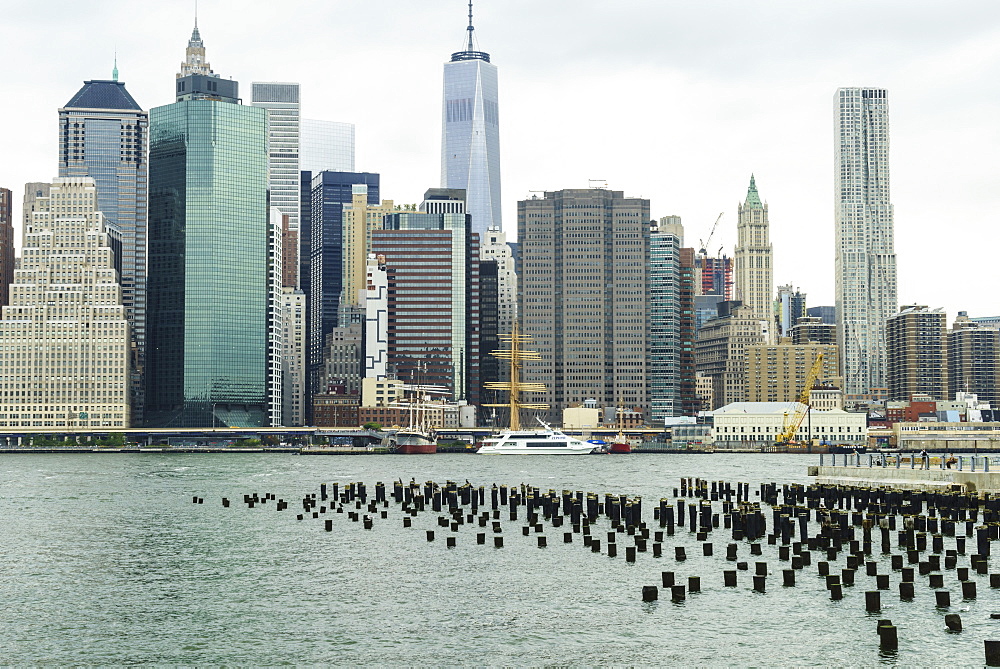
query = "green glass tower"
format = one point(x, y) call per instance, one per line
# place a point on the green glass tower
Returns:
point(209, 259)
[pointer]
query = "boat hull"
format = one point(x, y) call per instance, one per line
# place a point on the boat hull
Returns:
point(541, 442)
point(515, 450)
point(416, 449)
point(620, 449)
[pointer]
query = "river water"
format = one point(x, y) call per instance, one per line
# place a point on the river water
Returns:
point(107, 561)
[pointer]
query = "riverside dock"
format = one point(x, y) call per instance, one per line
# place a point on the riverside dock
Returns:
point(965, 473)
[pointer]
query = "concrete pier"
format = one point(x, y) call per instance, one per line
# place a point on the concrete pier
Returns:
point(965, 480)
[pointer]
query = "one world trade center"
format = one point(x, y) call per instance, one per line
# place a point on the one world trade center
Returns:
point(470, 133)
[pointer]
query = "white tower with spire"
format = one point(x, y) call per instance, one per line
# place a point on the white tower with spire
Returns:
point(470, 133)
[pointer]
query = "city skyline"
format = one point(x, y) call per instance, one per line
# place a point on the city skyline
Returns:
point(697, 67)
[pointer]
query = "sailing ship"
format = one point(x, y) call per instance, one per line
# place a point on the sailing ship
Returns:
point(515, 440)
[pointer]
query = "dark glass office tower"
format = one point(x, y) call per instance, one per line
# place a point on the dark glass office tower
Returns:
point(208, 353)
point(323, 228)
point(102, 135)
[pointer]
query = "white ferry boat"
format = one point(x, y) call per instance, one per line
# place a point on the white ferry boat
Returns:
point(546, 441)
point(514, 440)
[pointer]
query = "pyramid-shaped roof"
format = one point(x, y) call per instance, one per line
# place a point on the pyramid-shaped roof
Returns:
point(103, 94)
point(753, 198)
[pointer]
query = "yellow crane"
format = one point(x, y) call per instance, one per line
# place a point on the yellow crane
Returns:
point(794, 419)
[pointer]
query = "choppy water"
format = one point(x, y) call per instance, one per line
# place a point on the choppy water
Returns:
point(106, 560)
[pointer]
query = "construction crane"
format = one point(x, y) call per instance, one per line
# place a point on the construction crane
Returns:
point(704, 244)
point(794, 419)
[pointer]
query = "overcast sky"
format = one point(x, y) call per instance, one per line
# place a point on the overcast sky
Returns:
point(678, 102)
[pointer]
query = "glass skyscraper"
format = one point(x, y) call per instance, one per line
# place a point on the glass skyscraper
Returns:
point(209, 233)
point(102, 135)
point(326, 145)
point(329, 192)
point(470, 133)
point(665, 243)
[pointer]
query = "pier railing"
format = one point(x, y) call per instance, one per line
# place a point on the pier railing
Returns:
point(972, 463)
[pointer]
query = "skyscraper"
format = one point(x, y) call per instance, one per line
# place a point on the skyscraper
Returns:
point(790, 306)
point(720, 351)
point(865, 279)
point(754, 271)
point(974, 360)
point(329, 192)
point(65, 325)
point(665, 313)
point(281, 100)
point(494, 246)
point(6, 246)
point(917, 353)
point(582, 289)
point(326, 145)
point(102, 135)
point(211, 274)
point(470, 133)
point(360, 220)
point(432, 262)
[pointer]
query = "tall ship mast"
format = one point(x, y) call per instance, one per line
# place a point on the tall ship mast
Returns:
point(516, 354)
point(515, 440)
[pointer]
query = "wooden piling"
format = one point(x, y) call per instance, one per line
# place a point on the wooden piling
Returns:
point(887, 637)
point(992, 653)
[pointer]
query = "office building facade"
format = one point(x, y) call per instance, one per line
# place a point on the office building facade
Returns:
point(64, 334)
point(432, 262)
point(470, 133)
point(103, 134)
point(665, 242)
point(293, 360)
point(494, 247)
point(917, 353)
point(7, 251)
point(326, 146)
point(582, 289)
point(281, 100)
point(974, 360)
point(720, 351)
point(360, 220)
point(778, 373)
point(789, 307)
point(812, 329)
point(865, 263)
point(211, 274)
point(328, 193)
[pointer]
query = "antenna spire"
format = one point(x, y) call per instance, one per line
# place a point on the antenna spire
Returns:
point(114, 72)
point(470, 28)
